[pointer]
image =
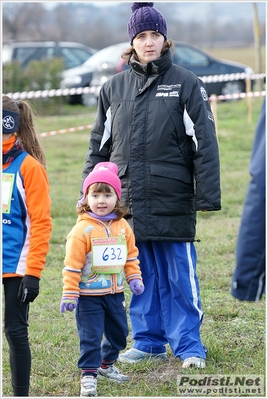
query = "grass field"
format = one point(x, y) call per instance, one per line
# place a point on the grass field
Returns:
point(233, 331)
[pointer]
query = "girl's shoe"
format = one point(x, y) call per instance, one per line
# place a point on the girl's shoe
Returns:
point(112, 373)
point(88, 386)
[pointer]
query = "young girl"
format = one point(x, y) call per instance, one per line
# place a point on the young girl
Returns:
point(26, 227)
point(100, 250)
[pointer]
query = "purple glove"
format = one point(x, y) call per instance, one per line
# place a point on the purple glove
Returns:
point(68, 304)
point(136, 286)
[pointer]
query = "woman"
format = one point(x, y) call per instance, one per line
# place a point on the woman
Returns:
point(155, 122)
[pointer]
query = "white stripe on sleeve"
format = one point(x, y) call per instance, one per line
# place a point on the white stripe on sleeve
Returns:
point(107, 129)
point(189, 127)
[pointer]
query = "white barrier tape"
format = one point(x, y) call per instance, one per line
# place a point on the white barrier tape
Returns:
point(238, 95)
point(231, 76)
point(81, 90)
point(211, 98)
point(51, 93)
point(62, 131)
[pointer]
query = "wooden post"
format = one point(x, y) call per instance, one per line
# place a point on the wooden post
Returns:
point(249, 99)
point(257, 43)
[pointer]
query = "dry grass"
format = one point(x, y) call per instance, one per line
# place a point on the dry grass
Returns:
point(233, 331)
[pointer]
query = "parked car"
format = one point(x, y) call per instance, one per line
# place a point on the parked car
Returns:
point(74, 54)
point(107, 62)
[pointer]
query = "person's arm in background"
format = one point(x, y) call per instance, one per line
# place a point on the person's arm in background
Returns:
point(248, 280)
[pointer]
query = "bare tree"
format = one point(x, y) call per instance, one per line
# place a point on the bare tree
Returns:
point(22, 21)
point(99, 27)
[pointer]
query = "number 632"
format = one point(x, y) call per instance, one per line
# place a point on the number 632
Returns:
point(111, 254)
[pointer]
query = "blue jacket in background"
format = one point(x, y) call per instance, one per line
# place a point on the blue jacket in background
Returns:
point(248, 281)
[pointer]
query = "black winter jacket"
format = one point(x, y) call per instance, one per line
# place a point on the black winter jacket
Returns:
point(156, 124)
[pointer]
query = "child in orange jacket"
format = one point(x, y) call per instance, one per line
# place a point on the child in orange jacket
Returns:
point(100, 252)
point(26, 227)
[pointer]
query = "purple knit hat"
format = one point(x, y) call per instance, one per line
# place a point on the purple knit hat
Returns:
point(145, 17)
point(104, 172)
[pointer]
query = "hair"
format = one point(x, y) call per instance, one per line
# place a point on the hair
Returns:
point(26, 132)
point(127, 54)
point(83, 206)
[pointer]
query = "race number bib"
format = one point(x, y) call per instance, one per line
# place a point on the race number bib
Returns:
point(109, 255)
point(7, 188)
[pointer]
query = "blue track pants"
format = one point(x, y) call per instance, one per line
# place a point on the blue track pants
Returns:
point(169, 311)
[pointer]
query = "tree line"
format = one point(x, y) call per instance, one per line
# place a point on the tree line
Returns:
point(99, 27)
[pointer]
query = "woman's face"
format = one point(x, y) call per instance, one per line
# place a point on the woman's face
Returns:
point(148, 45)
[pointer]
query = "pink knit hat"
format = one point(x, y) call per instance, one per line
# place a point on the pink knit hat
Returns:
point(104, 172)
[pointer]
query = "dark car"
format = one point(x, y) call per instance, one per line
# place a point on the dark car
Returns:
point(74, 54)
point(107, 62)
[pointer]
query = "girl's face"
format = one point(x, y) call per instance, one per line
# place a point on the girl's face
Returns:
point(6, 136)
point(148, 45)
point(101, 203)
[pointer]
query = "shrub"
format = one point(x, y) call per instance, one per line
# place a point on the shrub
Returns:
point(38, 75)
